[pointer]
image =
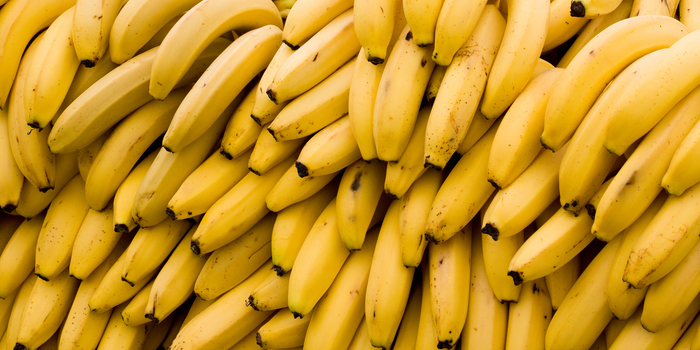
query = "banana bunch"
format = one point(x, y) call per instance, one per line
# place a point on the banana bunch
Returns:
point(336, 174)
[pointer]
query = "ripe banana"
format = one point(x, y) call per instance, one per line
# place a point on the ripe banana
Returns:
point(138, 21)
point(525, 33)
point(358, 196)
point(206, 184)
point(360, 340)
point(32, 201)
point(422, 17)
point(241, 131)
point(689, 15)
point(17, 259)
point(11, 178)
point(219, 85)
point(5, 313)
point(455, 25)
point(559, 282)
point(133, 313)
point(477, 128)
point(124, 197)
point(313, 110)
point(681, 172)
point(329, 151)
point(400, 175)
point(433, 87)
point(118, 335)
point(529, 317)
point(264, 110)
point(497, 256)
point(282, 331)
point(364, 86)
point(94, 242)
point(269, 152)
point(91, 28)
point(291, 188)
point(231, 264)
point(593, 8)
point(426, 335)
point(374, 27)
point(461, 89)
point(562, 26)
point(415, 206)
point(86, 156)
point(650, 8)
point(10, 336)
point(307, 17)
point(406, 337)
point(271, 294)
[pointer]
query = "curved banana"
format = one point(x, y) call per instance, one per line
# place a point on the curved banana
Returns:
point(622, 203)
point(415, 207)
point(293, 225)
point(219, 85)
point(307, 17)
point(271, 294)
point(197, 29)
point(241, 131)
point(17, 259)
point(455, 25)
point(264, 110)
point(559, 282)
point(11, 178)
point(114, 96)
point(374, 25)
point(426, 335)
point(94, 242)
point(313, 110)
point(291, 188)
point(10, 336)
point(358, 196)
point(561, 26)
point(477, 128)
point(593, 8)
point(231, 264)
point(529, 317)
point(650, 8)
point(461, 89)
point(238, 210)
point(681, 172)
point(400, 175)
point(133, 313)
point(126, 144)
point(463, 193)
point(282, 331)
point(497, 256)
point(329, 151)
point(422, 17)
point(525, 33)
point(517, 141)
point(399, 96)
point(408, 330)
point(51, 73)
point(586, 77)
point(206, 184)
point(364, 86)
point(124, 198)
point(118, 335)
point(434, 83)
point(138, 21)
point(174, 283)
point(269, 152)
point(91, 28)
point(20, 21)
point(86, 156)
point(318, 58)
point(688, 14)
point(32, 201)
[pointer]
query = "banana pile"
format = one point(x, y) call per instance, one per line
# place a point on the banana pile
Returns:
point(349, 174)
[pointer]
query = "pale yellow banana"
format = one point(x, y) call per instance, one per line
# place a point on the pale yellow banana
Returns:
point(133, 314)
point(415, 206)
point(91, 28)
point(264, 110)
point(12, 177)
point(363, 92)
point(651, 8)
point(358, 195)
point(593, 8)
point(559, 282)
point(497, 256)
point(561, 26)
point(529, 317)
point(329, 151)
point(307, 17)
point(406, 337)
point(400, 175)
point(681, 172)
point(86, 155)
point(434, 83)
point(269, 152)
point(32, 201)
point(241, 131)
point(374, 25)
point(688, 11)
point(94, 242)
point(17, 259)
point(124, 197)
point(455, 25)
point(422, 17)
point(477, 128)
point(271, 294)
point(10, 336)
point(117, 335)
point(283, 331)
point(291, 188)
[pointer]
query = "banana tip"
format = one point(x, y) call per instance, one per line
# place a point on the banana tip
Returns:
point(251, 302)
point(375, 60)
point(254, 171)
point(121, 228)
point(302, 170)
point(88, 63)
point(490, 230)
point(256, 119)
point(494, 184)
point(272, 95)
point(170, 213)
point(19, 346)
point(8, 208)
point(272, 132)
point(195, 247)
point(297, 314)
point(42, 277)
point(291, 46)
point(258, 339)
point(279, 270)
point(445, 344)
point(577, 9)
point(431, 239)
point(127, 281)
point(517, 279)
point(590, 208)
point(226, 154)
point(152, 317)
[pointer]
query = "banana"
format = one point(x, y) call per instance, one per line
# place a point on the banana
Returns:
point(584, 313)
point(586, 163)
point(314, 109)
point(462, 88)
point(10, 336)
point(426, 335)
point(329, 151)
point(319, 260)
point(29, 147)
point(11, 178)
point(516, 206)
point(175, 281)
point(61, 225)
point(264, 110)
point(338, 314)
point(612, 330)
point(400, 175)
point(422, 17)
point(647, 8)
point(364, 86)
point(681, 172)
point(307, 17)
point(524, 37)
point(559, 282)
point(561, 26)
point(318, 58)
point(291, 188)
point(133, 314)
point(415, 206)
point(399, 95)
point(139, 21)
point(237, 211)
point(32, 201)
point(51, 72)
point(5, 313)
point(271, 294)
point(178, 322)
point(517, 141)
point(226, 321)
point(114, 96)
point(231, 264)
point(124, 197)
point(91, 28)
point(219, 85)
point(282, 331)
point(150, 247)
point(687, 340)
point(292, 225)
point(197, 29)
point(456, 23)
point(434, 83)
point(358, 196)
point(118, 335)
point(689, 14)
point(668, 238)
point(47, 306)
point(477, 128)
point(206, 184)
point(86, 156)
point(269, 152)
point(555, 243)
point(241, 131)
point(497, 256)
point(384, 307)
point(360, 341)
point(487, 319)
point(463, 193)
point(634, 336)
point(593, 8)
point(638, 182)
point(93, 243)
point(587, 75)
point(449, 271)
point(126, 144)
point(374, 27)
point(21, 20)
point(529, 317)
point(169, 170)
point(17, 259)
point(83, 328)
point(157, 333)
point(8, 225)
point(406, 336)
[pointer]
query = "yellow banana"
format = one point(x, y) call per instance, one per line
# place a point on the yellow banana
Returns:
point(647, 8)
point(94, 242)
point(364, 86)
point(497, 256)
point(271, 294)
point(593, 8)
point(17, 259)
point(269, 152)
point(32, 201)
point(10, 336)
point(455, 25)
point(360, 341)
point(689, 15)
point(329, 151)
point(358, 196)
point(561, 26)
point(5, 313)
point(400, 175)
point(434, 83)
point(241, 131)
point(12, 177)
point(462, 88)
point(559, 282)
point(415, 206)
point(264, 110)
point(681, 172)
point(91, 28)
point(8, 225)
point(118, 335)
point(155, 334)
point(291, 188)
point(282, 331)
point(374, 25)
point(426, 335)
point(307, 17)
point(86, 155)
point(124, 197)
point(422, 17)
point(477, 128)
point(687, 341)
point(133, 314)
point(406, 337)
point(529, 317)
